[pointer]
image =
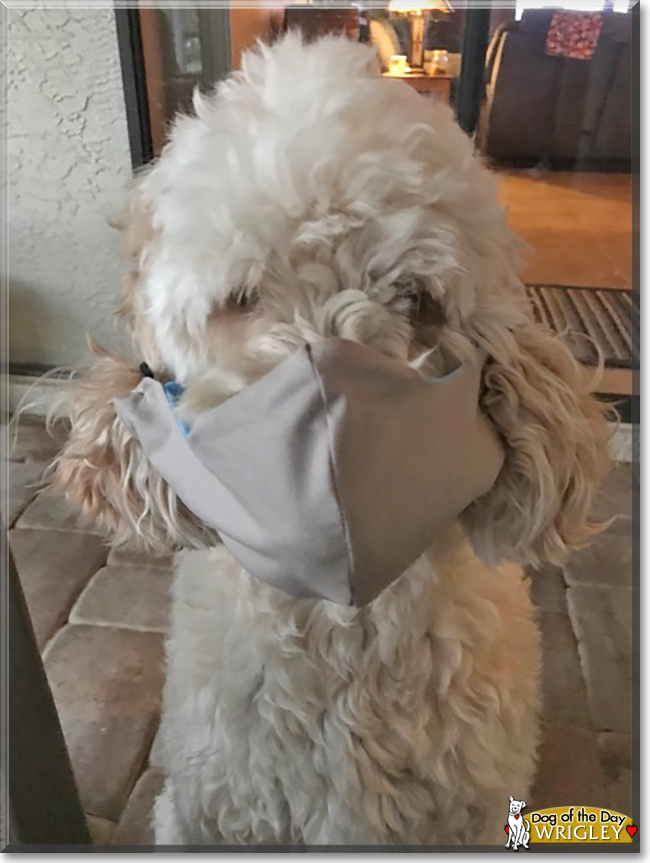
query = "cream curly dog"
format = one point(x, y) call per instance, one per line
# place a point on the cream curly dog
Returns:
point(308, 198)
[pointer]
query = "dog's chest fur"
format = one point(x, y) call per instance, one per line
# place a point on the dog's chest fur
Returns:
point(298, 721)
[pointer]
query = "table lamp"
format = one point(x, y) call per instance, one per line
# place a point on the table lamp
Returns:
point(416, 10)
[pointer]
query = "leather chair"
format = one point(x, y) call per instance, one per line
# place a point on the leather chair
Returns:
point(316, 21)
point(541, 107)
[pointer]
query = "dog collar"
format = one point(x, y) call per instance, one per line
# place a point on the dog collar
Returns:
point(173, 391)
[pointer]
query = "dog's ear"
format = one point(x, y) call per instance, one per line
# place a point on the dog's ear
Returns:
point(103, 471)
point(511, 799)
point(523, 804)
point(555, 436)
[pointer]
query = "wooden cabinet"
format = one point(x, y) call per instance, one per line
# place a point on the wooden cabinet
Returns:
point(438, 86)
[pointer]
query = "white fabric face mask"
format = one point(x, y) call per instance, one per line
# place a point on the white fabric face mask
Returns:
point(334, 472)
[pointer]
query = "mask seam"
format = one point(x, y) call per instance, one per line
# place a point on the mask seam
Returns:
point(335, 482)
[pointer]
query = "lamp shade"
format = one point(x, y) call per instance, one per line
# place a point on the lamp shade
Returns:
point(419, 6)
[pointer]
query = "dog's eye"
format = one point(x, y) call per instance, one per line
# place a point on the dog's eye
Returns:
point(414, 298)
point(429, 312)
point(408, 291)
point(243, 299)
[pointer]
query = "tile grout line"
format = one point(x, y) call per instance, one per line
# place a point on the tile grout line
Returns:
point(578, 648)
point(581, 658)
point(122, 627)
point(66, 620)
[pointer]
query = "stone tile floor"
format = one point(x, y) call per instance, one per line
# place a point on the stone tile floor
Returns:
point(89, 606)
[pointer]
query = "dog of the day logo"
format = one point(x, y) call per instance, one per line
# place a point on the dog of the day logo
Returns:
point(570, 825)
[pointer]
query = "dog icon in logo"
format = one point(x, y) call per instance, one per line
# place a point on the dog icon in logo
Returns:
point(518, 828)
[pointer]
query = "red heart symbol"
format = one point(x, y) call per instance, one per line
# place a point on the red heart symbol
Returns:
point(507, 829)
point(516, 817)
point(631, 829)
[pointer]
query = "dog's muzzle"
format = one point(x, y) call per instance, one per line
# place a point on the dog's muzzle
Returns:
point(334, 472)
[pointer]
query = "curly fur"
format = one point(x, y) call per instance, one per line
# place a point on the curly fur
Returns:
point(308, 198)
point(104, 472)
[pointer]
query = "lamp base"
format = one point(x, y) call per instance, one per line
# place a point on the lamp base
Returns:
point(416, 54)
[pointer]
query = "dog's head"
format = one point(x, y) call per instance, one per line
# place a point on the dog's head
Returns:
point(516, 806)
point(308, 198)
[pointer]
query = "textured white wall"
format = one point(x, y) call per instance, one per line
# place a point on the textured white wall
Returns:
point(68, 166)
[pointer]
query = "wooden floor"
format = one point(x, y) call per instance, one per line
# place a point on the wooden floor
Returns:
point(578, 227)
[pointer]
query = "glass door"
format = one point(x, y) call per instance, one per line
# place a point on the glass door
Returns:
point(554, 120)
point(545, 92)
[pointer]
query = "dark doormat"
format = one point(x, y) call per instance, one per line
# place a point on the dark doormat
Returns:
point(592, 320)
